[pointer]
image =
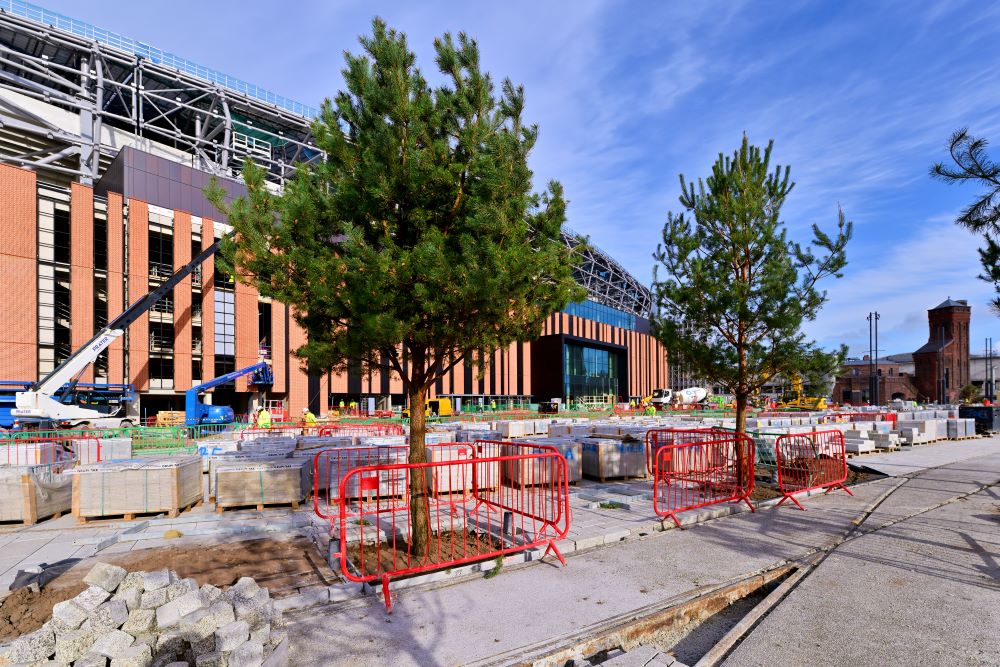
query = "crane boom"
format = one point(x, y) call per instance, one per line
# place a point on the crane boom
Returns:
point(38, 401)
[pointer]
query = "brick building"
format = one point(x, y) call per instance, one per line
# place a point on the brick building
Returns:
point(941, 366)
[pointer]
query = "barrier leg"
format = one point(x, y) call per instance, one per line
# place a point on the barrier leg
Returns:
point(674, 517)
point(838, 485)
point(792, 498)
point(385, 593)
point(746, 499)
point(554, 549)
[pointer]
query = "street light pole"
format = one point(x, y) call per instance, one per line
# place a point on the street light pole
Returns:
point(877, 388)
point(871, 368)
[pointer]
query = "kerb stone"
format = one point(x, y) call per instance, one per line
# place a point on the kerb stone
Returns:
point(105, 576)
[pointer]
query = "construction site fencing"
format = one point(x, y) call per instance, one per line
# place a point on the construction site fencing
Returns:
point(56, 452)
point(145, 439)
point(808, 461)
point(847, 417)
point(701, 467)
point(501, 498)
point(361, 429)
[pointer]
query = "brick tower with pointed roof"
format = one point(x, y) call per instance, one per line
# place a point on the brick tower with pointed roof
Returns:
point(941, 366)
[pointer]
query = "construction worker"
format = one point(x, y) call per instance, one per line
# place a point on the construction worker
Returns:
point(651, 410)
point(308, 418)
point(354, 407)
point(493, 406)
point(263, 419)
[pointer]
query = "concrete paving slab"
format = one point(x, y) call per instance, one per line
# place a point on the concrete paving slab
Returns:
point(920, 457)
point(924, 591)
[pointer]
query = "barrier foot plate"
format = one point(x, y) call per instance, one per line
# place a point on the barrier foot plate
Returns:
point(386, 594)
point(554, 549)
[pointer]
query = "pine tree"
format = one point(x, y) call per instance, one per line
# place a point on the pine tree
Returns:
point(417, 241)
point(736, 290)
point(982, 216)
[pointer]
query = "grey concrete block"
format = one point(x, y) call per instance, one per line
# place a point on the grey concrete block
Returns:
point(31, 647)
point(156, 580)
point(198, 625)
point(170, 644)
point(132, 597)
point(214, 659)
point(68, 615)
point(134, 656)
point(172, 612)
point(132, 581)
point(223, 613)
point(228, 637)
point(113, 644)
point(108, 616)
point(210, 593)
point(106, 576)
point(279, 657)
point(181, 587)
point(248, 654)
point(139, 622)
point(92, 660)
point(261, 633)
point(309, 597)
point(92, 598)
point(73, 645)
point(153, 599)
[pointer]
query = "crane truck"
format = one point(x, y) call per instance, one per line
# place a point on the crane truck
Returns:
point(42, 401)
point(197, 413)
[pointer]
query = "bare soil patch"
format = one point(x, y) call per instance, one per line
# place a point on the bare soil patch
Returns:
point(283, 566)
point(446, 548)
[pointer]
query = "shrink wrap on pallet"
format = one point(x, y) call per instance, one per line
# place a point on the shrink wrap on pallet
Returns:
point(259, 483)
point(30, 493)
point(136, 486)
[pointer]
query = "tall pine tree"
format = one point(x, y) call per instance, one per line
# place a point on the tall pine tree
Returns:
point(736, 291)
point(418, 241)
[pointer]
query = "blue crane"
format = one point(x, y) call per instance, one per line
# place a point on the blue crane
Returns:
point(196, 412)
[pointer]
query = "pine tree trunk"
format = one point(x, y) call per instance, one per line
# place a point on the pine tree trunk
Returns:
point(742, 465)
point(419, 520)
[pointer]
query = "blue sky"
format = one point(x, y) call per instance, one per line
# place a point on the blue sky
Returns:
point(859, 97)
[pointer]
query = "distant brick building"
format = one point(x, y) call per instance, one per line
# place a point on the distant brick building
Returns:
point(937, 372)
point(941, 366)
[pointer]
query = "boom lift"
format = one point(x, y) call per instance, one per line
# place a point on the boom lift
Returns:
point(41, 400)
point(196, 412)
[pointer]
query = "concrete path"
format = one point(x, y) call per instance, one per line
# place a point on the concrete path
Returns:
point(924, 590)
point(896, 595)
point(913, 459)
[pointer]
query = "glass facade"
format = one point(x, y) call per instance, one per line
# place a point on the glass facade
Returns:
point(589, 371)
point(225, 323)
point(601, 313)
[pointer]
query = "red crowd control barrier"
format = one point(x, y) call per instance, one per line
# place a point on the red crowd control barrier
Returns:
point(50, 451)
point(660, 437)
point(810, 461)
point(865, 417)
point(701, 467)
point(504, 498)
point(361, 429)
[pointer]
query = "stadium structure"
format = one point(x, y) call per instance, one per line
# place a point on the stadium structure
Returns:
point(106, 144)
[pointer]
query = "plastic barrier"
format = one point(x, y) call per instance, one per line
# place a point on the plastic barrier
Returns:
point(489, 520)
point(810, 461)
point(361, 429)
point(702, 467)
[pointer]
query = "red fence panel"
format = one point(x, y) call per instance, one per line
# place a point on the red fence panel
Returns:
point(361, 429)
point(660, 437)
point(515, 500)
point(701, 467)
point(810, 461)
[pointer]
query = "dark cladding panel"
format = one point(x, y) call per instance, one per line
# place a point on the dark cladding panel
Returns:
point(163, 182)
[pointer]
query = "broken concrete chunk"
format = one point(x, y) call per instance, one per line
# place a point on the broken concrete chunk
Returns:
point(113, 644)
point(105, 576)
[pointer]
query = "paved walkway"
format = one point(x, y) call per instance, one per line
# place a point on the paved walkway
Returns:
point(912, 459)
point(907, 574)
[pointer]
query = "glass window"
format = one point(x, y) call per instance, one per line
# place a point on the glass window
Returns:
point(590, 371)
point(592, 310)
point(225, 323)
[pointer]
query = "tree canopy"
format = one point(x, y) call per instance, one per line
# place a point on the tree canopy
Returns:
point(735, 290)
point(973, 164)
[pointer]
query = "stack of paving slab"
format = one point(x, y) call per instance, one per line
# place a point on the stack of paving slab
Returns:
point(570, 449)
point(228, 459)
point(604, 458)
point(30, 493)
point(136, 486)
point(259, 483)
point(107, 449)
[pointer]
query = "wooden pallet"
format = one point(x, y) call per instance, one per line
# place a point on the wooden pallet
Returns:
point(132, 516)
point(260, 507)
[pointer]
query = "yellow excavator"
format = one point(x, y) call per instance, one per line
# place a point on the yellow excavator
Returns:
point(794, 400)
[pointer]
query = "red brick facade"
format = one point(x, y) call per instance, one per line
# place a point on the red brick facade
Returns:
point(941, 366)
point(19, 273)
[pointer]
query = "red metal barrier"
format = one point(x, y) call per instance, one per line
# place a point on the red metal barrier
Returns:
point(660, 437)
point(702, 467)
point(864, 417)
point(500, 505)
point(361, 429)
point(330, 466)
point(50, 451)
point(810, 461)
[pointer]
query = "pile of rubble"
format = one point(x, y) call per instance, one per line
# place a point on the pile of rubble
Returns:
point(157, 619)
